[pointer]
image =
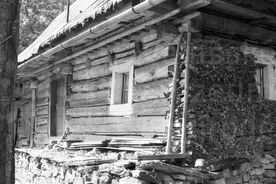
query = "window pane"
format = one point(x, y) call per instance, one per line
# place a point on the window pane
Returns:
point(125, 88)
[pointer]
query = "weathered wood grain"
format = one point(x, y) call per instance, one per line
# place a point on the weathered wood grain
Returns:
point(157, 107)
point(90, 102)
point(93, 72)
point(43, 93)
point(155, 124)
point(155, 53)
point(151, 90)
point(44, 110)
point(88, 111)
point(41, 121)
point(42, 129)
point(90, 95)
point(153, 71)
point(42, 102)
point(95, 62)
point(91, 85)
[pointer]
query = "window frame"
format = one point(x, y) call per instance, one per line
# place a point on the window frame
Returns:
point(116, 107)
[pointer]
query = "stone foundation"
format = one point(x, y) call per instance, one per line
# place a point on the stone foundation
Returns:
point(128, 170)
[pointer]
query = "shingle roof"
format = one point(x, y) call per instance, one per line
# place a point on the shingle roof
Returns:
point(80, 11)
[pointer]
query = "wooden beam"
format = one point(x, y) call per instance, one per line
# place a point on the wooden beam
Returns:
point(188, 5)
point(237, 29)
point(241, 12)
point(162, 157)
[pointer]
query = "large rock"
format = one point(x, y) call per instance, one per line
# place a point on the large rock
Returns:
point(105, 178)
point(152, 177)
point(130, 180)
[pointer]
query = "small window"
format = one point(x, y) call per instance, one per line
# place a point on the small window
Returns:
point(121, 89)
point(260, 79)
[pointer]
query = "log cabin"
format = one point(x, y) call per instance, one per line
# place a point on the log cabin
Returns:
point(106, 71)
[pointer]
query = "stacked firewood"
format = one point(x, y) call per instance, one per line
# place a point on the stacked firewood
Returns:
point(223, 104)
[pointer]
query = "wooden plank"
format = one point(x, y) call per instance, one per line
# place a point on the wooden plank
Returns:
point(88, 111)
point(90, 102)
point(238, 29)
point(154, 124)
point(153, 71)
point(162, 157)
point(42, 129)
point(90, 95)
point(42, 102)
point(151, 108)
point(151, 90)
point(42, 93)
point(154, 54)
point(41, 121)
point(172, 169)
point(44, 110)
point(93, 72)
point(124, 54)
point(92, 56)
point(43, 85)
point(95, 62)
point(91, 85)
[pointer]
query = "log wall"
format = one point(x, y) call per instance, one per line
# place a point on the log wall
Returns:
point(88, 112)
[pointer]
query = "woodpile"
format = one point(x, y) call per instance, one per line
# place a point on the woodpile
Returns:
point(225, 114)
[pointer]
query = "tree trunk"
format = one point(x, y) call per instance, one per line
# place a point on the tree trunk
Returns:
point(9, 10)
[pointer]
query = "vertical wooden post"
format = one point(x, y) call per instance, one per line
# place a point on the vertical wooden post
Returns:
point(186, 91)
point(33, 87)
point(173, 98)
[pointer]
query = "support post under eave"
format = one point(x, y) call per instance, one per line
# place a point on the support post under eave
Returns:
point(186, 90)
point(33, 87)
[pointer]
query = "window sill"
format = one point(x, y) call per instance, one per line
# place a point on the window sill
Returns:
point(120, 110)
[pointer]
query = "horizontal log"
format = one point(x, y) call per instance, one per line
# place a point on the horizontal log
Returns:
point(90, 95)
point(151, 90)
point(88, 111)
point(43, 93)
point(118, 124)
point(92, 56)
point(91, 85)
point(43, 84)
point(151, 108)
point(93, 72)
point(90, 102)
point(41, 121)
point(42, 102)
point(153, 71)
point(122, 46)
point(95, 62)
point(44, 110)
point(155, 53)
point(42, 129)
point(124, 54)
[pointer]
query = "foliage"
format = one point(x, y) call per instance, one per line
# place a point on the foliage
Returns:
point(229, 118)
point(35, 16)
